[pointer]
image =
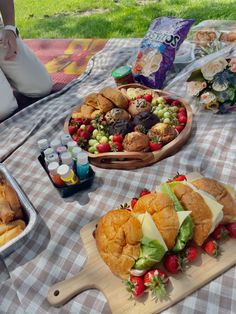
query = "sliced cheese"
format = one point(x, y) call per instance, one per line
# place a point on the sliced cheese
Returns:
point(214, 206)
point(192, 176)
point(230, 189)
point(150, 230)
point(182, 215)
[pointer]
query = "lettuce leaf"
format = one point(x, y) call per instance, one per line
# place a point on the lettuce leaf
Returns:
point(151, 253)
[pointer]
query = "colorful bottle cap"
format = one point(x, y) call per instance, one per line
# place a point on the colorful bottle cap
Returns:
point(52, 157)
point(55, 143)
point(121, 71)
point(43, 144)
point(48, 151)
point(65, 138)
point(82, 158)
point(75, 151)
point(52, 167)
point(63, 171)
point(61, 149)
point(71, 145)
point(66, 158)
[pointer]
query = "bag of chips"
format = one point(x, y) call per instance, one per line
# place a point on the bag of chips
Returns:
point(158, 48)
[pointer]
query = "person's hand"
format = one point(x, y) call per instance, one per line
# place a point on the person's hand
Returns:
point(10, 44)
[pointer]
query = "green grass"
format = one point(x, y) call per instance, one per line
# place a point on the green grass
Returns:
point(127, 18)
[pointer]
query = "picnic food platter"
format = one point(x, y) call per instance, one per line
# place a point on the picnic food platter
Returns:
point(135, 146)
point(96, 275)
point(111, 246)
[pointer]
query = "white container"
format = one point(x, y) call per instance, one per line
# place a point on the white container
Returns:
point(55, 143)
point(29, 212)
point(71, 145)
point(65, 138)
point(43, 144)
point(75, 152)
point(66, 159)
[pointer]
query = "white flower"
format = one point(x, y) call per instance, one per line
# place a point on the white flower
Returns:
point(194, 87)
point(207, 98)
point(212, 68)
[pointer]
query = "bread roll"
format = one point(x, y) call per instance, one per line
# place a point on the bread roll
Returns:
point(11, 225)
point(222, 196)
point(118, 236)
point(6, 213)
point(115, 96)
point(201, 213)
point(13, 200)
point(9, 235)
point(163, 213)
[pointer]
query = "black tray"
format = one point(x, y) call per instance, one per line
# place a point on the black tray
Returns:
point(66, 191)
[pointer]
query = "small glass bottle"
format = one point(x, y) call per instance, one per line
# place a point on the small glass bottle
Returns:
point(75, 151)
point(71, 145)
point(82, 165)
point(43, 144)
point(48, 151)
point(60, 150)
point(52, 168)
point(55, 143)
point(67, 175)
point(65, 138)
point(52, 157)
point(66, 159)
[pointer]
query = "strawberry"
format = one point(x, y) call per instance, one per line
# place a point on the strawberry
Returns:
point(72, 129)
point(176, 103)
point(148, 97)
point(212, 248)
point(179, 127)
point(183, 110)
point(133, 201)
point(168, 100)
point(89, 128)
point(155, 143)
point(231, 227)
point(103, 148)
point(219, 233)
point(116, 147)
point(135, 285)
point(85, 134)
point(178, 177)
point(117, 138)
point(156, 280)
point(173, 263)
point(75, 137)
point(182, 119)
point(191, 253)
point(144, 192)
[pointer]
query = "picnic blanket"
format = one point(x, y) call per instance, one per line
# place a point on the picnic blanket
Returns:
point(55, 252)
point(65, 59)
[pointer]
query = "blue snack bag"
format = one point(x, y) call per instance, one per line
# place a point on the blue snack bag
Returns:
point(158, 48)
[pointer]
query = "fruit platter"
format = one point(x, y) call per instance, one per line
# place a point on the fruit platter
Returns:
point(130, 127)
point(138, 257)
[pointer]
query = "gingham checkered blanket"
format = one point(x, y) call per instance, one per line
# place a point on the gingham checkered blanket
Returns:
point(55, 252)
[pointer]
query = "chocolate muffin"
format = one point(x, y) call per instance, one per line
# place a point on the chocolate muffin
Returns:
point(146, 119)
point(121, 127)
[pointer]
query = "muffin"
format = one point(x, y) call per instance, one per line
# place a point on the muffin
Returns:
point(136, 142)
point(165, 132)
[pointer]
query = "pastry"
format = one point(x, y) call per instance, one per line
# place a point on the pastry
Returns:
point(201, 213)
point(121, 127)
point(161, 208)
point(118, 236)
point(165, 132)
point(115, 96)
point(139, 105)
point(136, 142)
point(222, 196)
point(91, 100)
point(86, 111)
point(104, 104)
point(146, 119)
point(116, 114)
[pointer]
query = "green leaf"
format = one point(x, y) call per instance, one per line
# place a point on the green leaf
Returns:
point(185, 234)
point(152, 252)
point(196, 76)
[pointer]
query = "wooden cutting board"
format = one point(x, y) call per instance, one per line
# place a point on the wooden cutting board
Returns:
point(97, 275)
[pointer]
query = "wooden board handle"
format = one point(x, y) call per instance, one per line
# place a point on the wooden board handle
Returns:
point(65, 290)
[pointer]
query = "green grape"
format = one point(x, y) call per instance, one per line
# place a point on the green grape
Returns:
point(167, 114)
point(166, 120)
point(92, 142)
point(103, 140)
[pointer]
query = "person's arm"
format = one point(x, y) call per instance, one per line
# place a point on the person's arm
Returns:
point(9, 36)
point(8, 12)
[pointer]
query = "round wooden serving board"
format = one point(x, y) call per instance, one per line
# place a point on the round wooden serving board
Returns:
point(97, 275)
point(134, 160)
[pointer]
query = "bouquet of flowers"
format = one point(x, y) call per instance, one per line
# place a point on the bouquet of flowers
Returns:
point(214, 84)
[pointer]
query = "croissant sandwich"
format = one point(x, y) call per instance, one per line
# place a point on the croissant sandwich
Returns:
point(134, 240)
